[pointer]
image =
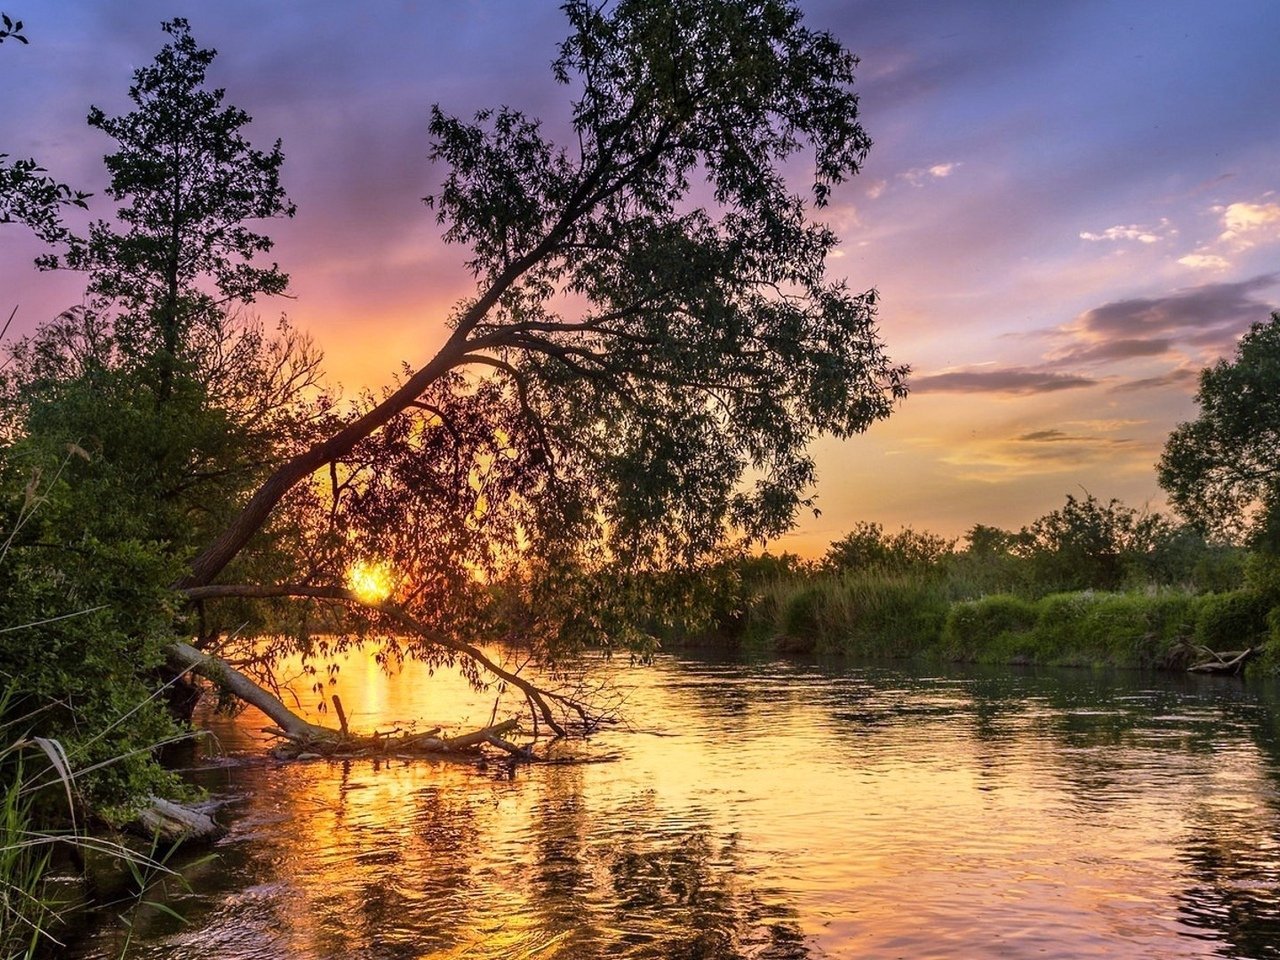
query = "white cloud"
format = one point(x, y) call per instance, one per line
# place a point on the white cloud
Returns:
point(1132, 231)
point(877, 189)
point(1204, 261)
point(938, 171)
point(1248, 224)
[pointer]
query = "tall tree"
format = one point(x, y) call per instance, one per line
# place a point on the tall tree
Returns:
point(172, 404)
point(188, 184)
point(652, 348)
point(653, 343)
point(1222, 470)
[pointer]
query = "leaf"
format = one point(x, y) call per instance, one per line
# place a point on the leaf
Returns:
point(58, 758)
point(166, 909)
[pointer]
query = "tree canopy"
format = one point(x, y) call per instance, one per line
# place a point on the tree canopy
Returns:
point(131, 426)
point(1222, 470)
point(654, 327)
point(653, 343)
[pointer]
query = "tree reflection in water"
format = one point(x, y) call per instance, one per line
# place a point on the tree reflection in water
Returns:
point(804, 810)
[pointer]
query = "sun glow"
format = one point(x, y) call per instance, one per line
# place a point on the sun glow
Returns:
point(371, 581)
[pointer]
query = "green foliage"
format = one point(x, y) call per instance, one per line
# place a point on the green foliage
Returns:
point(671, 225)
point(28, 195)
point(188, 182)
point(875, 614)
point(87, 622)
point(989, 564)
point(130, 429)
point(976, 626)
point(1088, 544)
point(1262, 575)
point(1222, 470)
point(1232, 621)
point(868, 547)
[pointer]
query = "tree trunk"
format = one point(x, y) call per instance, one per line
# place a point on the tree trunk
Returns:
point(187, 657)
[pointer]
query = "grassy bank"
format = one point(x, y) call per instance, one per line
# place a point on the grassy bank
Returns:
point(909, 615)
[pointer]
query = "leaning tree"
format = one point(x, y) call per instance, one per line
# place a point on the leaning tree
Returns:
point(653, 343)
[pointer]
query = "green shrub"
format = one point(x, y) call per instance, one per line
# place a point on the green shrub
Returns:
point(1232, 621)
point(882, 615)
point(1135, 629)
point(973, 627)
point(1124, 629)
point(798, 624)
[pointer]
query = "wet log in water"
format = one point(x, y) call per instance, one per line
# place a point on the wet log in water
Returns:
point(172, 823)
point(343, 744)
point(1230, 662)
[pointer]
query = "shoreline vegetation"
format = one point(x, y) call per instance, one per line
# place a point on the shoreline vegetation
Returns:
point(1089, 584)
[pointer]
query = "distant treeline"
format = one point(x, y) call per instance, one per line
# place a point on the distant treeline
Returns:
point(1091, 582)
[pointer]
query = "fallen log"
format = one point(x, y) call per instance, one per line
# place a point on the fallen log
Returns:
point(1230, 663)
point(301, 746)
point(172, 823)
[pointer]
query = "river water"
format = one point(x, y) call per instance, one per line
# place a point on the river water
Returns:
point(771, 809)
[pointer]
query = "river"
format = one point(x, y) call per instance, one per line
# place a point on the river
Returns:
point(777, 810)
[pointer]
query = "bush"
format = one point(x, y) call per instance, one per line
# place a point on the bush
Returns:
point(798, 624)
point(1134, 629)
point(1232, 621)
point(975, 626)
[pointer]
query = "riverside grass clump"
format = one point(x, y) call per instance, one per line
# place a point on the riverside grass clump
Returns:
point(868, 614)
point(43, 822)
point(1134, 629)
point(1091, 583)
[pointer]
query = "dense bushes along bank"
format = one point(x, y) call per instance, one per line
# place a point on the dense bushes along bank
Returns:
point(1091, 582)
point(881, 614)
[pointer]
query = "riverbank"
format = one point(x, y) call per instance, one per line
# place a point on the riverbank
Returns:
point(904, 616)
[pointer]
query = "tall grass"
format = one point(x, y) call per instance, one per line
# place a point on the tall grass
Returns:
point(909, 614)
point(38, 814)
point(872, 614)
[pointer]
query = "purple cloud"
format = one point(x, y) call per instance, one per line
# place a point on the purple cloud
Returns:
point(1013, 380)
point(1186, 315)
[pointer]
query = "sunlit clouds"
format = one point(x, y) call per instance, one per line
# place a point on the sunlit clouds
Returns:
point(1143, 234)
point(1248, 224)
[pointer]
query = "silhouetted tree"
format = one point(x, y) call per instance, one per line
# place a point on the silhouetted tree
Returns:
point(653, 341)
point(1222, 470)
point(188, 182)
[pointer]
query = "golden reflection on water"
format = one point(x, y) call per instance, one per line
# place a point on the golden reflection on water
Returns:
point(775, 811)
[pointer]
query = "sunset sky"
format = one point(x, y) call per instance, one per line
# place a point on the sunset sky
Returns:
point(1070, 208)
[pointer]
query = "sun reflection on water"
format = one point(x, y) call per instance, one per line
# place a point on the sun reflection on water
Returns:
point(775, 811)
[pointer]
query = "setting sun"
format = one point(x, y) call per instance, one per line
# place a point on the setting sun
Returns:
point(371, 581)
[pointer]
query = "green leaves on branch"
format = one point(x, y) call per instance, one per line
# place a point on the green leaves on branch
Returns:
point(28, 195)
point(655, 298)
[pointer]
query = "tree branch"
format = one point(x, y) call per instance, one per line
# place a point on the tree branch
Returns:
point(537, 695)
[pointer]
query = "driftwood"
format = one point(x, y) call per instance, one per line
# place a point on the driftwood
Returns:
point(1230, 662)
point(306, 745)
point(172, 823)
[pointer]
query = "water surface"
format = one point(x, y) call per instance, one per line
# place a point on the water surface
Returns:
point(770, 810)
